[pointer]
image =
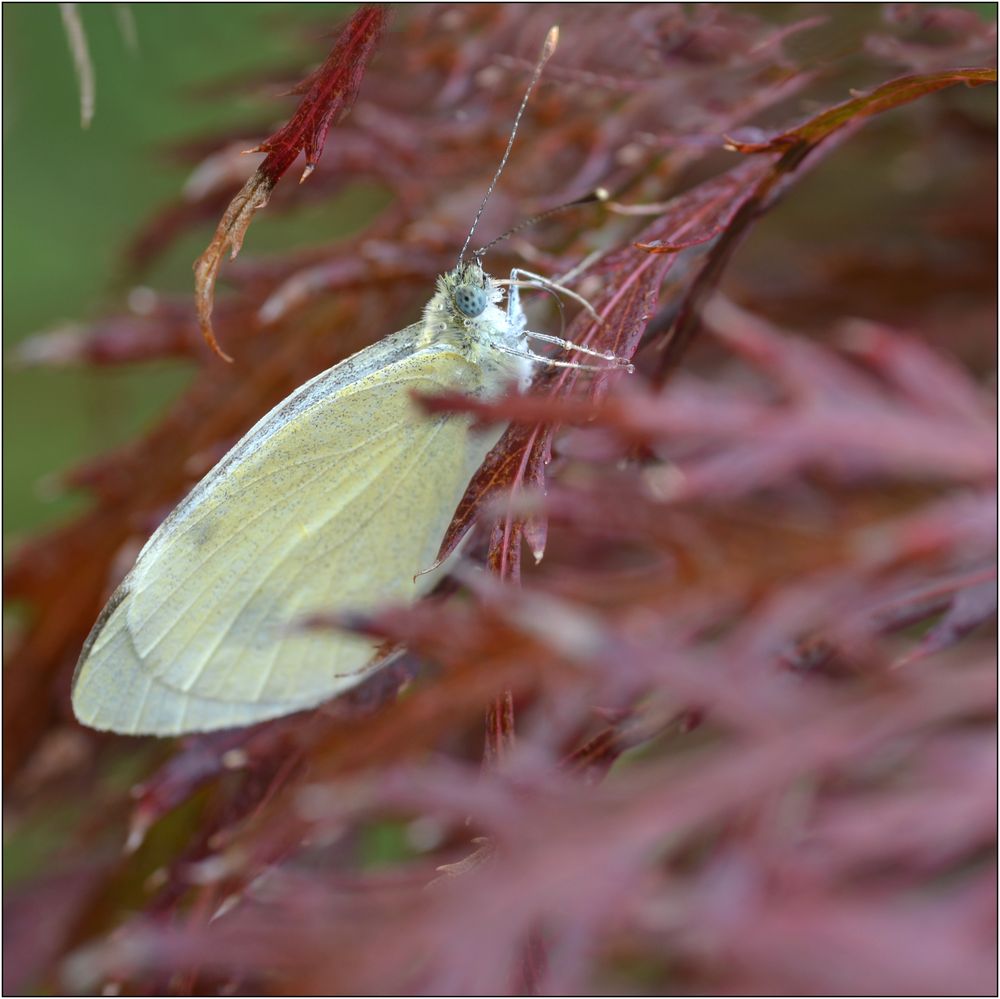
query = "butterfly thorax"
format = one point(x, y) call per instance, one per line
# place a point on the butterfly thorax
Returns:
point(465, 313)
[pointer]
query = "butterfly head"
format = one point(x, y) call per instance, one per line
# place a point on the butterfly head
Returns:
point(468, 292)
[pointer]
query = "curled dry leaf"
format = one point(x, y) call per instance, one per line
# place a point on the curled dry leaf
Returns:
point(327, 95)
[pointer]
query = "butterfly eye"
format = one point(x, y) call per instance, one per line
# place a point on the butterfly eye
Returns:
point(470, 301)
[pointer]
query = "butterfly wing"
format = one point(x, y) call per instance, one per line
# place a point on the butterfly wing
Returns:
point(334, 501)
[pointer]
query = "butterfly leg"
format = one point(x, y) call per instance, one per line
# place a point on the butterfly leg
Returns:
point(516, 319)
point(519, 273)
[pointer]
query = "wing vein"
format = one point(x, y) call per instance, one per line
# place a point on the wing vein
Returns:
point(199, 566)
point(277, 541)
point(326, 553)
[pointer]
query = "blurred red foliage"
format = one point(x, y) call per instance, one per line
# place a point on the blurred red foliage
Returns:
point(754, 675)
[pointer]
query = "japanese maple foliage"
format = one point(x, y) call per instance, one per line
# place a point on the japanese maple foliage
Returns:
point(740, 697)
point(327, 94)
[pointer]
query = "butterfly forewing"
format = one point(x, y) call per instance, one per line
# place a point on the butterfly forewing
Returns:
point(327, 504)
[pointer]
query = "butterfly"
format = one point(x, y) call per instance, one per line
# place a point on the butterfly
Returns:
point(336, 500)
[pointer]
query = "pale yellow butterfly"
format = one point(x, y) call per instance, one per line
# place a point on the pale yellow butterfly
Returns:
point(336, 500)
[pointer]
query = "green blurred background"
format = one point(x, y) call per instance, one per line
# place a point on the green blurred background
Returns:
point(72, 199)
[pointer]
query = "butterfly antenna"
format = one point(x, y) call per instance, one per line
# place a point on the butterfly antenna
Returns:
point(597, 196)
point(551, 40)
